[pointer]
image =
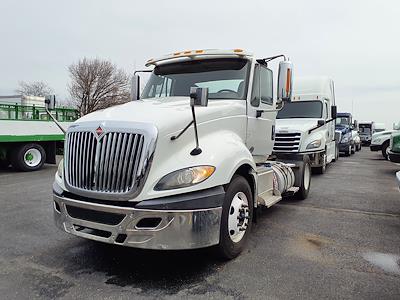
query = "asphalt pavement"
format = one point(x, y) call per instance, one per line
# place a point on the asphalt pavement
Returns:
point(341, 242)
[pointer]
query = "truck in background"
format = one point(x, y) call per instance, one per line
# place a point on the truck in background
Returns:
point(394, 147)
point(185, 165)
point(367, 129)
point(28, 137)
point(356, 135)
point(344, 124)
point(381, 140)
point(305, 127)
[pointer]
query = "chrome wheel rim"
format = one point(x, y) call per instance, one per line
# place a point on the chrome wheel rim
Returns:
point(32, 157)
point(238, 217)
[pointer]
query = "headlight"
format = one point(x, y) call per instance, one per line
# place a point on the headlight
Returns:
point(346, 138)
point(314, 144)
point(60, 170)
point(184, 178)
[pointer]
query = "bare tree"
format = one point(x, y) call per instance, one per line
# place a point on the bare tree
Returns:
point(36, 88)
point(97, 84)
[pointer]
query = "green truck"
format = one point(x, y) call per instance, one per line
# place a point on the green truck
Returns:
point(394, 148)
point(28, 136)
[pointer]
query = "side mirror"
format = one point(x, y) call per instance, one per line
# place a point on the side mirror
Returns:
point(198, 96)
point(333, 112)
point(135, 88)
point(321, 122)
point(285, 81)
point(50, 102)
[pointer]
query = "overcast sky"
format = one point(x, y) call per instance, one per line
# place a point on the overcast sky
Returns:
point(357, 43)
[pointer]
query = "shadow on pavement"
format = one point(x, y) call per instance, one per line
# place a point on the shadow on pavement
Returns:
point(169, 271)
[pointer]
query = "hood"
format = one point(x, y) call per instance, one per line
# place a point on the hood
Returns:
point(386, 132)
point(167, 114)
point(293, 124)
point(343, 129)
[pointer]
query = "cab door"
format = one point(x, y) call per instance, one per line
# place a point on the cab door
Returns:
point(260, 114)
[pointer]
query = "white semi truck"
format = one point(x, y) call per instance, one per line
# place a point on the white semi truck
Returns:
point(185, 165)
point(304, 127)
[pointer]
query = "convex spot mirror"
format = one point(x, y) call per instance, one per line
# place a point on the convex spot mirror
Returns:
point(50, 102)
point(321, 122)
point(285, 82)
point(198, 96)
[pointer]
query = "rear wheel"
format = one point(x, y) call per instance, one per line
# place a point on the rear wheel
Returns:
point(237, 215)
point(28, 157)
point(385, 149)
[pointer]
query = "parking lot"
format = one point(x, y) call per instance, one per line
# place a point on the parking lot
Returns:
point(342, 242)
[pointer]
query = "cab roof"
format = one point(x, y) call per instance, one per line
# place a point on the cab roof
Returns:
point(195, 54)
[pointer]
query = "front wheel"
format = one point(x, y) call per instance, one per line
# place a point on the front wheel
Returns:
point(385, 148)
point(237, 216)
point(305, 180)
point(321, 169)
point(348, 151)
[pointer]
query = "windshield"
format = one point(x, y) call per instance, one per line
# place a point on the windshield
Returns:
point(225, 78)
point(343, 121)
point(365, 129)
point(301, 109)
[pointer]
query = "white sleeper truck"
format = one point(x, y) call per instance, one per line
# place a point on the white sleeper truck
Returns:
point(185, 164)
point(304, 127)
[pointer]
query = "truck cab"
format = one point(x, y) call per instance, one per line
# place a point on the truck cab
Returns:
point(367, 129)
point(305, 127)
point(185, 164)
point(344, 124)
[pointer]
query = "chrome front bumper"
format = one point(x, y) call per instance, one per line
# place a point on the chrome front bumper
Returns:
point(161, 229)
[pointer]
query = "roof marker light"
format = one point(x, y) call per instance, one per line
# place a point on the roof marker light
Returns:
point(237, 50)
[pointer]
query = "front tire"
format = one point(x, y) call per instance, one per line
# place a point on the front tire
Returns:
point(305, 175)
point(321, 169)
point(348, 151)
point(237, 216)
point(28, 157)
point(385, 147)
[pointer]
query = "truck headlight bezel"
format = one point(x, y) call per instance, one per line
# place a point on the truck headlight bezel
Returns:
point(184, 178)
point(314, 144)
point(60, 169)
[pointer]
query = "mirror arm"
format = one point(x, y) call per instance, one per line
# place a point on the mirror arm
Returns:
point(55, 121)
point(259, 112)
point(175, 137)
point(318, 126)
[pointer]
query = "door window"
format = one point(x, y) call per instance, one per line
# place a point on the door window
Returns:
point(262, 86)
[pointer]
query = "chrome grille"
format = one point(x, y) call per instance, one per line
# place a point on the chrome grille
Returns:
point(109, 164)
point(287, 142)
